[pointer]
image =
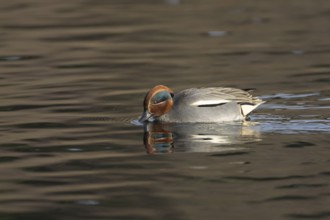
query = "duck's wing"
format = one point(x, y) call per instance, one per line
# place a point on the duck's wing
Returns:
point(211, 97)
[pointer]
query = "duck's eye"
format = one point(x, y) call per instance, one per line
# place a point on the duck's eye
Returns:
point(160, 97)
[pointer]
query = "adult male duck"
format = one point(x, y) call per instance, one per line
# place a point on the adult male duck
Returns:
point(215, 104)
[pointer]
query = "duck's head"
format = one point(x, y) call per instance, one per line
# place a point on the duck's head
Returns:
point(157, 102)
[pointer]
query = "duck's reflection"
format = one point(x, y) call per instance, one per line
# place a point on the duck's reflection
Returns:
point(167, 138)
point(158, 138)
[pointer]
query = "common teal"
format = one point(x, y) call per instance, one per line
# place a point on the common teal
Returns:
point(214, 104)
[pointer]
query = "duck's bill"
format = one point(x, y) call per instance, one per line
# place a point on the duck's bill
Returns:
point(145, 116)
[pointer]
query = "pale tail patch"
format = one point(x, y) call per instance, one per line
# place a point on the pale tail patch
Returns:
point(248, 108)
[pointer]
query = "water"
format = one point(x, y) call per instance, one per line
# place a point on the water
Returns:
point(73, 75)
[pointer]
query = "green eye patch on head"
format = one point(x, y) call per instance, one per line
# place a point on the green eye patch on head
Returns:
point(160, 97)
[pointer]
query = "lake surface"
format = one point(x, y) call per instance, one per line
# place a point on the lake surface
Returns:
point(73, 75)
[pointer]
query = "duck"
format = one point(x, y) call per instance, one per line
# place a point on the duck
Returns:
point(198, 105)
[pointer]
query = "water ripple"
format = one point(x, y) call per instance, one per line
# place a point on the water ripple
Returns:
point(317, 215)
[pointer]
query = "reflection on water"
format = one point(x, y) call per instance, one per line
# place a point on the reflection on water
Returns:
point(198, 137)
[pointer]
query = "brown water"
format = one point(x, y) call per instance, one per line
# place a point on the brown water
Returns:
point(73, 75)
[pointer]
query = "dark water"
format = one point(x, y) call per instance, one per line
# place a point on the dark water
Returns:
point(73, 75)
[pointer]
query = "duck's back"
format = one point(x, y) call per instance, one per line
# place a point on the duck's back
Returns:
point(211, 105)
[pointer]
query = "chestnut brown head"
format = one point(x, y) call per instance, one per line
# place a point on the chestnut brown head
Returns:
point(157, 102)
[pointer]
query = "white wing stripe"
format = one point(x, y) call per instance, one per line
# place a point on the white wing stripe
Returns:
point(209, 102)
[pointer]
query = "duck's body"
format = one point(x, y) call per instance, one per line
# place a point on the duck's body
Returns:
point(216, 104)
